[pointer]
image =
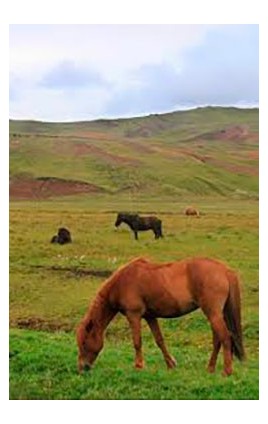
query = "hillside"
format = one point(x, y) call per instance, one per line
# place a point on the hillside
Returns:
point(203, 152)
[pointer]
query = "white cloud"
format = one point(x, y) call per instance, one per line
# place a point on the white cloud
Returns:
point(59, 105)
point(110, 49)
point(65, 72)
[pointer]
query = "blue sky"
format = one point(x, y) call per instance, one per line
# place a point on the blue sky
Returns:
point(80, 72)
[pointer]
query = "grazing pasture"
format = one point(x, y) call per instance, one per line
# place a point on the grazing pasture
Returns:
point(49, 294)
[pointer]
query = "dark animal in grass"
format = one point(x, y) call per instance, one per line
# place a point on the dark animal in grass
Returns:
point(63, 236)
point(142, 289)
point(140, 223)
point(54, 239)
point(192, 212)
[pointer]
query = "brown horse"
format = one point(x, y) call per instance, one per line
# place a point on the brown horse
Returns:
point(142, 289)
point(190, 211)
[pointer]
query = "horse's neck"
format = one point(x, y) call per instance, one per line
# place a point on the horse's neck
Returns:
point(130, 222)
point(101, 313)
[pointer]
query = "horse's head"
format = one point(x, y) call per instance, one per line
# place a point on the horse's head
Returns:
point(119, 219)
point(128, 218)
point(90, 343)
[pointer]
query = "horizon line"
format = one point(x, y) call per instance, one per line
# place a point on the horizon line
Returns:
point(148, 114)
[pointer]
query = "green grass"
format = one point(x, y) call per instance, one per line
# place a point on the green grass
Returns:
point(43, 366)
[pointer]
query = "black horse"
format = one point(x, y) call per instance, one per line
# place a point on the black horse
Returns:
point(63, 236)
point(140, 223)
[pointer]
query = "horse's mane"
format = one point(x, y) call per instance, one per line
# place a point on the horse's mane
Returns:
point(103, 292)
point(129, 213)
point(106, 285)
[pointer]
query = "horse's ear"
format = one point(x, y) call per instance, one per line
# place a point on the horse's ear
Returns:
point(89, 326)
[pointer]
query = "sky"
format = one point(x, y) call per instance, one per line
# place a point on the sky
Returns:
point(84, 72)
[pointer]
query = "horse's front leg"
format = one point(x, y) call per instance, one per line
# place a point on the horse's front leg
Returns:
point(155, 329)
point(134, 320)
point(136, 234)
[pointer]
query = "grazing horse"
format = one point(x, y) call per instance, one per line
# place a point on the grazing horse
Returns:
point(192, 212)
point(142, 289)
point(140, 223)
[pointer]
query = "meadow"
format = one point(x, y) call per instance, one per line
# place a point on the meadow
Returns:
point(49, 294)
point(159, 165)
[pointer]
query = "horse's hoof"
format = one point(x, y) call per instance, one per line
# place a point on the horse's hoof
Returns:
point(227, 373)
point(211, 369)
point(171, 362)
point(139, 365)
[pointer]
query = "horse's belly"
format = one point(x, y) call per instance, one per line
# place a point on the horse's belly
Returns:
point(143, 228)
point(168, 294)
point(170, 309)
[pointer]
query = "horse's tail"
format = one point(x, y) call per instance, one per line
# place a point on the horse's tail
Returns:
point(232, 315)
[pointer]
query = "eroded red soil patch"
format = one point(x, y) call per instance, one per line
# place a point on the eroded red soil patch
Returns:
point(234, 132)
point(46, 187)
point(253, 154)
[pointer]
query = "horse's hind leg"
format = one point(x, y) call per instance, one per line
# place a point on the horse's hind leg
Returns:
point(154, 326)
point(221, 331)
point(214, 355)
point(134, 320)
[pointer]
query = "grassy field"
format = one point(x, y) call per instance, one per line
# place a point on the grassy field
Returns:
point(46, 304)
point(159, 164)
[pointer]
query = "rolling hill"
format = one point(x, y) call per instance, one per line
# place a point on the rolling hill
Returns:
point(208, 151)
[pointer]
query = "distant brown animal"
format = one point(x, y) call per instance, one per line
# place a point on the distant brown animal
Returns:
point(192, 212)
point(142, 289)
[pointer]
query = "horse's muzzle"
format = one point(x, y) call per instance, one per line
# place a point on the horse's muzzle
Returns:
point(83, 367)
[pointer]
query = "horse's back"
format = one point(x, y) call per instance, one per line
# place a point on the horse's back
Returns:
point(148, 222)
point(171, 289)
point(153, 287)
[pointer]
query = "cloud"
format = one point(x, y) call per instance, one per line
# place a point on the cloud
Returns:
point(68, 75)
point(113, 49)
point(150, 89)
point(225, 69)
point(222, 71)
point(48, 104)
point(65, 72)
